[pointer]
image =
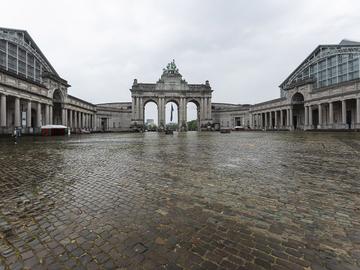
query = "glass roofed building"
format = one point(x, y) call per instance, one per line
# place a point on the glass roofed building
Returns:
point(32, 94)
point(323, 92)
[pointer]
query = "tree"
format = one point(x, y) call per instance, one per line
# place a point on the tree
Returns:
point(192, 125)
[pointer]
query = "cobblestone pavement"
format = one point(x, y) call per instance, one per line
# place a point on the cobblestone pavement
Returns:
point(188, 201)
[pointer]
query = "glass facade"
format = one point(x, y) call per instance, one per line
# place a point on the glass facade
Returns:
point(16, 59)
point(326, 71)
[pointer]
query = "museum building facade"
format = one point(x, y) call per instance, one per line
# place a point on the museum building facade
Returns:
point(322, 93)
point(32, 94)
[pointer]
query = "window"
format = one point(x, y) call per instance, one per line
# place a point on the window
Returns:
point(22, 68)
point(30, 66)
point(332, 61)
point(12, 49)
point(3, 59)
point(237, 121)
point(22, 55)
point(343, 69)
point(322, 64)
point(2, 45)
point(37, 71)
point(12, 63)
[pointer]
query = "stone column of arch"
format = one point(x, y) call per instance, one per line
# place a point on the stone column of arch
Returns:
point(141, 110)
point(133, 108)
point(161, 113)
point(209, 108)
point(182, 114)
point(281, 118)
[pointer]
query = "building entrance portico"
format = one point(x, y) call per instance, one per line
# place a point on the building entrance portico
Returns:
point(171, 87)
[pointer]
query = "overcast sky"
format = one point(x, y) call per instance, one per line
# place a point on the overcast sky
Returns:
point(244, 48)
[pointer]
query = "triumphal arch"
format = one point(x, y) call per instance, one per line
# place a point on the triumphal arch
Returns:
point(171, 87)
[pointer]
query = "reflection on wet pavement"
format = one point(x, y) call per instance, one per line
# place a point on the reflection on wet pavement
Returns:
point(188, 201)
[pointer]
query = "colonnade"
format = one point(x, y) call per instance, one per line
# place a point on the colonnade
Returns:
point(12, 115)
point(272, 119)
point(344, 116)
point(311, 115)
point(77, 119)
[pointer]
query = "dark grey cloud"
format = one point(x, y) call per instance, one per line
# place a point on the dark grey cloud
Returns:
point(245, 48)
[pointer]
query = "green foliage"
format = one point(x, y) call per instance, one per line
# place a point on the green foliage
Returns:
point(192, 125)
point(172, 126)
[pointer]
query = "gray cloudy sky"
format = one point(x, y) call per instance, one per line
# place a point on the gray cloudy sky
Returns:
point(244, 48)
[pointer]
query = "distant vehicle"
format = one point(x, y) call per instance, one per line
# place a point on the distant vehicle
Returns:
point(225, 130)
point(238, 128)
point(84, 131)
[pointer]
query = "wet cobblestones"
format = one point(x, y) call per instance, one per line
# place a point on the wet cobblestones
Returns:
point(188, 201)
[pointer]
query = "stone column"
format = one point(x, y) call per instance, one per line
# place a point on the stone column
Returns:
point(276, 120)
point(51, 109)
point(3, 111)
point(141, 110)
point(132, 108)
point(320, 115)
point(331, 114)
point(306, 116)
point(180, 113)
point(259, 121)
point(310, 117)
point(38, 114)
point(291, 118)
point(358, 111)
point(209, 109)
point(63, 118)
point(71, 123)
point(343, 112)
point(201, 109)
point(28, 114)
point(288, 118)
point(17, 112)
point(47, 115)
point(76, 121)
point(281, 118)
point(266, 120)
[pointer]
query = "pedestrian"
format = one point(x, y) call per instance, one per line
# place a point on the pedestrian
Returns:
point(15, 135)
